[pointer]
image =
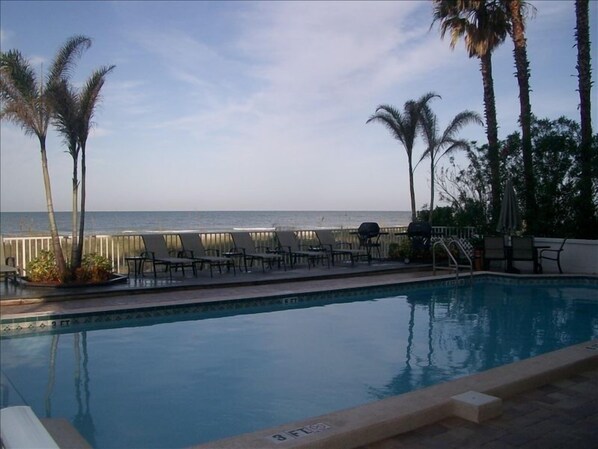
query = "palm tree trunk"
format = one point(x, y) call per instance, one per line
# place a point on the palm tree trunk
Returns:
point(412, 191)
point(586, 219)
point(491, 133)
point(74, 216)
point(60, 262)
point(522, 66)
point(79, 256)
point(431, 189)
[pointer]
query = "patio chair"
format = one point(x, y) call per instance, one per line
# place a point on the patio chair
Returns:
point(157, 253)
point(551, 254)
point(8, 270)
point(494, 249)
point(289, 245)
point(329, 244)
point(522, 249)
point(193, 249)
point(245, 246)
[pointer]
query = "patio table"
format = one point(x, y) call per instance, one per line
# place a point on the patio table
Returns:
point(137, 262)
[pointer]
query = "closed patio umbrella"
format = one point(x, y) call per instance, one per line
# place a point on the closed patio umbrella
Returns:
point(509, 219)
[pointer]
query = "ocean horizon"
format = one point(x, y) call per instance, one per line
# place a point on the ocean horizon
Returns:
point(22, 224)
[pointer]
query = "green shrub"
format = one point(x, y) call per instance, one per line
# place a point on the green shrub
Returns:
point(394, 251)
point(43, 268)
point(401, 250)
point(94, 268)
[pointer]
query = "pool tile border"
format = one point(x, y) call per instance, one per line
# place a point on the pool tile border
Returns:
point(73, 322)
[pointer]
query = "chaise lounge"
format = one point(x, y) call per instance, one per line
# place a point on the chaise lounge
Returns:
point(245, 246)
point(329, 244)
point(157, 252)
point(193, 249)
point(289, 245)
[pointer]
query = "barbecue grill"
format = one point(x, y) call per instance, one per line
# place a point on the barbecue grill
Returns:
point(420, 234)
point(369, 236)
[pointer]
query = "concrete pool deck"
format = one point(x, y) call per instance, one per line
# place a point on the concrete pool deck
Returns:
point(548, 401)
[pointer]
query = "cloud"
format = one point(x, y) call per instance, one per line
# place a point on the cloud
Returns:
point(5, 37)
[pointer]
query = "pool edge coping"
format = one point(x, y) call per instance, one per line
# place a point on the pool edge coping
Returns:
point(379, 420)
point(386, 282)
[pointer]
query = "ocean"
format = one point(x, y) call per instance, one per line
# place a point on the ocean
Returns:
point(21, 224)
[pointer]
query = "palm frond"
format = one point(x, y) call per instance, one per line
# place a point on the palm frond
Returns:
point(65, 113)
point(462, 119)
point(65, 59)
point(21, 98)
point(90, 96)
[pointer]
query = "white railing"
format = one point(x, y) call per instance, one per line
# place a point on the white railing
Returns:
point(117, 247)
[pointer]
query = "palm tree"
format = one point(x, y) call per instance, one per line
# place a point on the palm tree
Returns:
point(587, 211)
point(404, 126)
point(73, 111)
point(484, 26)
point(89, 99)
point(64, 104)
point(439, 145)
point(517, 10)
point(25, 102)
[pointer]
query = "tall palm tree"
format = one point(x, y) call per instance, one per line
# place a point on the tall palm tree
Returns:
point(484, 26)
point(73, 112)
point(89, 99)
point(439, 145)
point(517, 11)
point(64, 117)
point(404, 126)
point(587, 208)
point(25, 102)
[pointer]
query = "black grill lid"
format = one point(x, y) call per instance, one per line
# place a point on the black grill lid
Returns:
point(368, 230)
point(419, 229)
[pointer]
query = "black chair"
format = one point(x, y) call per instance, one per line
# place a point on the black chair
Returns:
point(551, 254)
point(368, 234)
point(522, 249)
point(494, 249)
point(8, 270)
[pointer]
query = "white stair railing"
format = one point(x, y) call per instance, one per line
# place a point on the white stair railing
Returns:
point(453, 263)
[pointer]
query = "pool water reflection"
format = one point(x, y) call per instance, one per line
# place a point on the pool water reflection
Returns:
point(169, 383)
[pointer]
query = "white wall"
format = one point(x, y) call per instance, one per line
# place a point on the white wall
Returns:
point(578, 256)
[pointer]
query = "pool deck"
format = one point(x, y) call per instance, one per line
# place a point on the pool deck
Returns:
point(560, 414)
point(554, 411)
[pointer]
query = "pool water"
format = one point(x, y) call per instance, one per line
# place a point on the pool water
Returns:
point(172, 384)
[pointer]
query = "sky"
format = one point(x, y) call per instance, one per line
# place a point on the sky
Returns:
point(263, 105)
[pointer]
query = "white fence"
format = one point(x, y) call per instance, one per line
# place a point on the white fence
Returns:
point(117, 247)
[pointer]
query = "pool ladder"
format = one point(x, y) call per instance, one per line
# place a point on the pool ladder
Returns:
point(453, 264)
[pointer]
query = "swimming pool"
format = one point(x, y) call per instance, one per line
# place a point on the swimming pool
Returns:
point(177, 377)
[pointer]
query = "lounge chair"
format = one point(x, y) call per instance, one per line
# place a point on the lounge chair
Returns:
point(494, 249)
point(245, 246)
point(8, 270)
point(289, 245)
point(157, 252)
point(551, 254)
point(522, 249)
point(193, 249)
point(340, 249)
